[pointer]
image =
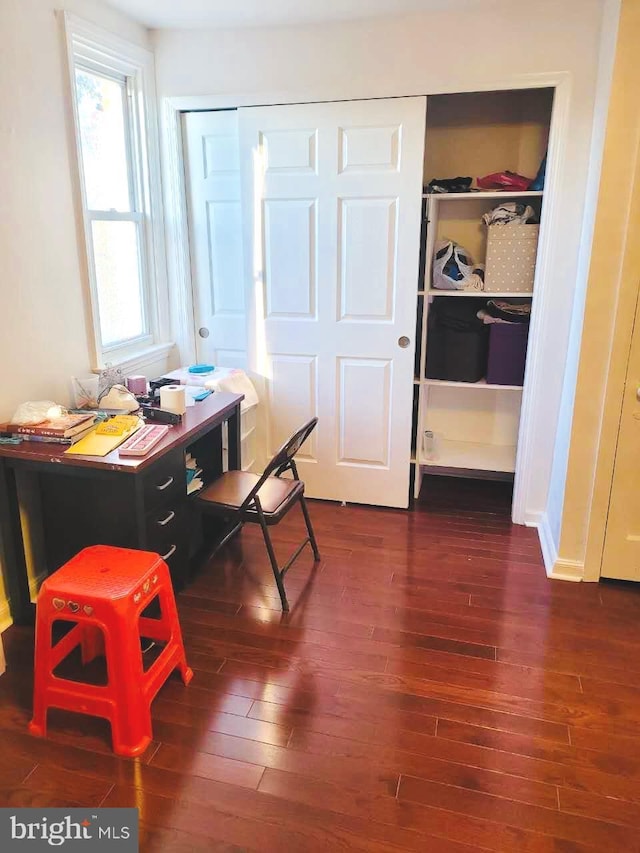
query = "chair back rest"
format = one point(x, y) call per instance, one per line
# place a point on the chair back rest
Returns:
point(282, 459)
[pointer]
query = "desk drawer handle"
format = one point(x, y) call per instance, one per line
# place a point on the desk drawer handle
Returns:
point(164, 486)
point(170, 552)
point(166, 520)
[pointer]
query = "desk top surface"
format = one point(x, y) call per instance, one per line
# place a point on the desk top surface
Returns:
point(197, 420)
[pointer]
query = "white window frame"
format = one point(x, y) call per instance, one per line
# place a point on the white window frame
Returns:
point(95, 50)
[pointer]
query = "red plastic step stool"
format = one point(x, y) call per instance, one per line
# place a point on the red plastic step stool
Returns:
point(104, 590)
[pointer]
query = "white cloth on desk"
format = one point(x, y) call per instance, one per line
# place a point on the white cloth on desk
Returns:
point(230, 379)
point(237, 382)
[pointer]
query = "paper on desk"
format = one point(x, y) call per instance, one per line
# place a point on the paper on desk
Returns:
point(100, 445)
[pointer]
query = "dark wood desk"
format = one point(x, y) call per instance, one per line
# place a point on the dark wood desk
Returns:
point(127, 501)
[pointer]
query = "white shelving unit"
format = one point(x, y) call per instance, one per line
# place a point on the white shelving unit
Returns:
point(475, 424)
point(482, 384)
point(484, 294)
point(471, 455)
point(484, 195)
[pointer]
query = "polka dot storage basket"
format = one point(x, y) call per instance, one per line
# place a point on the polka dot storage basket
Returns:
point(511, 258)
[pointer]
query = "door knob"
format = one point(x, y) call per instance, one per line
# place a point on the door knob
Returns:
point(403, 341)
point(203, 332)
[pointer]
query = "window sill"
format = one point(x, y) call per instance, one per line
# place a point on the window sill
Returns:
point(136, 362)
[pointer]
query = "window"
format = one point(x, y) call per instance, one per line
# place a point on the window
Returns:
point(118, 165)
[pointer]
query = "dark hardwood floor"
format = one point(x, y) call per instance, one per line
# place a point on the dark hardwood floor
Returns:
point(430, 690)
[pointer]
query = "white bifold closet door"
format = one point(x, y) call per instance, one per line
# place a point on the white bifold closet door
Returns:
point(332, 198)
point(212, 165)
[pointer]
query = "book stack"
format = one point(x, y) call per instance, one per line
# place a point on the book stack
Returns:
point(66, 429)
point(194, 481)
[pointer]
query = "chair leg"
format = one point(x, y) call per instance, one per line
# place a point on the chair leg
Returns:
point(307, 521)
point(274, 562)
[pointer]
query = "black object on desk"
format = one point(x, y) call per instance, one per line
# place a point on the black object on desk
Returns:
point(160, 416)
point(156, 384)
point(133, 502)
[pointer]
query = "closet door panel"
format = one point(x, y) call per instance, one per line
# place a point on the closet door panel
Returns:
point(215, 211)
point(292, 151)
point(366, 258)
point(290, 277)
point(365, 148)
point(332, 200)
point(292, 400)
point(364, 428)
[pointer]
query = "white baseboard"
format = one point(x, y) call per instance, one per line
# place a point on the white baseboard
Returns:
point(568, 570)
point(555, 567)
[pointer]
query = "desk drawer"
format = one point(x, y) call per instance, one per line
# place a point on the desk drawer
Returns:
point(170, 539)
point(165, 483)
point(176, 557)
point(175, 553)
point(167, 523)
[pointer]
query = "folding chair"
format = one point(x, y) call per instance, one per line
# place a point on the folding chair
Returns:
point(265, 500)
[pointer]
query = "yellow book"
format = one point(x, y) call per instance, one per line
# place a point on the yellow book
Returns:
point(106, 437)
point(119, 425)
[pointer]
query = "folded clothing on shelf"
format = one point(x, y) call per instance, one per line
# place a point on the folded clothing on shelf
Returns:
point(506, 311)
point(449, 185)
point(510, 213)
point(504, 181)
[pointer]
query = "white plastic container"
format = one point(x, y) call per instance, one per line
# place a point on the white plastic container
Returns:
point(247, 440)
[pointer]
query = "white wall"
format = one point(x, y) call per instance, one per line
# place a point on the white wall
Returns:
point(423, 54)
point(43, 334)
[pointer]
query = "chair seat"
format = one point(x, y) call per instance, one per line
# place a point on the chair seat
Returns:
point(228, 492)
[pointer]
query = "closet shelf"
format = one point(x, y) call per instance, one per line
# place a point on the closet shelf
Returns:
point(484, 293)
point(445, 383)
point(484, 194)
point(472, 455)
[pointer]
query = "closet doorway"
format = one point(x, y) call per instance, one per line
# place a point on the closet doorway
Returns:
point(466, 134)
point(470, 372)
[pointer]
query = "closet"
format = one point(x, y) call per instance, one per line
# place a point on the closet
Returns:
point(308, 263)
point(468, 425)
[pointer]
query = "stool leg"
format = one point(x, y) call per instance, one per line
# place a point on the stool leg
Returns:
point(170, 614)
point(92, 644)
point(131, 719)
point(41, 673)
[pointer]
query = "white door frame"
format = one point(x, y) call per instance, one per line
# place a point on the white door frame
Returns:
point(177, 235)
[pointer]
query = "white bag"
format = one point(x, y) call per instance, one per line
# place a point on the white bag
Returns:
point(35, 412)
point(452, 266)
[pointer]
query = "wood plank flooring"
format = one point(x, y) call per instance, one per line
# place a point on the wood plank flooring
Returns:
point(430, 690)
